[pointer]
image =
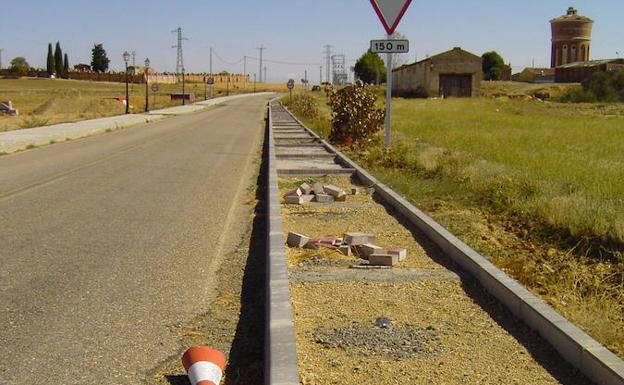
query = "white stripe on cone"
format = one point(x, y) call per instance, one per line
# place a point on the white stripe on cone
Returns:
point(204, 371)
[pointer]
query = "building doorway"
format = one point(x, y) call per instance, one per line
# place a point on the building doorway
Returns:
point(457, 86)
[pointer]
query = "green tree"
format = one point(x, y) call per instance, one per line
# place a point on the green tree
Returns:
point(99, 60)
point(492, 64)
point(58, 59)
point(50, 61)
point(19, 66)
point(370, 68)
point(65, 64)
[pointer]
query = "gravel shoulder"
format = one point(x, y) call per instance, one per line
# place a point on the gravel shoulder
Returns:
point(444, 328)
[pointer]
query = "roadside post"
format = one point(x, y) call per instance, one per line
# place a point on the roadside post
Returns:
point(210, 82)
point(290, 85)
point(154, 87)
point(205, 88)
point(390, 13)
point(147, 64)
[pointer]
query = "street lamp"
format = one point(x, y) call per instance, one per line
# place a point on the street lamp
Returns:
point(147, 64)
point(254, 83)
point(126, 57)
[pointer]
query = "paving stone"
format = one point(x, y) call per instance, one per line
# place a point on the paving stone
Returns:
point(295, 192)
point(297, 240)
point(318, 188)
point(334, 191)
point(400, 252)
point(306, 188)
point(293, 200)
point(345, 250)
point(324, 198)
point(355, 239)
point(365, 251)
point(383, 259)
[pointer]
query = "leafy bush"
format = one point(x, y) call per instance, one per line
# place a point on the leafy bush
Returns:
point(304, 105)
point(600, 87)
point(354, 116)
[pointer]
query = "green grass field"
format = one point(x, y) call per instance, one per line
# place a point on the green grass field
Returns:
point(50, 101)
point(536, 186)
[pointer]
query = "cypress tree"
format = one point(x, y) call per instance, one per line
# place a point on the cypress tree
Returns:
point(50, 61)
point(65, 65)
point(58, 59)
point(99, 60)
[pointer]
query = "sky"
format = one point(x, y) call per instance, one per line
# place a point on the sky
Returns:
point(293, 31)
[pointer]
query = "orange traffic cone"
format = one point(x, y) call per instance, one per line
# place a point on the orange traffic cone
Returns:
point(204, 365)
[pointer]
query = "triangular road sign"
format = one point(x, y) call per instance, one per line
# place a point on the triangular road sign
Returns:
point(390, 12)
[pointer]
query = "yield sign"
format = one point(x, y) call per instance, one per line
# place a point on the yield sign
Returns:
point(390, 12)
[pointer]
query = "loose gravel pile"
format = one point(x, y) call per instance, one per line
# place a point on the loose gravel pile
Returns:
point(393, 342)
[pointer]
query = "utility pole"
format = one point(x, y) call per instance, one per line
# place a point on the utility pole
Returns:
point(265, 77)
point(180, 59)
point(328, 49)
point(320, 75)
point(261, 48)
point(245, 72)
point(1, 50)
point(305, 84)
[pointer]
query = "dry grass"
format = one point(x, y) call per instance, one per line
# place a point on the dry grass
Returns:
point(537, 187)
point(50, 101)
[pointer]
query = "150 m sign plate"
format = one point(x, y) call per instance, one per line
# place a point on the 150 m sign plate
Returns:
point(389, 46)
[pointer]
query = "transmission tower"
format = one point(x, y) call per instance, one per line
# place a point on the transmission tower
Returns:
point(261, 48)
point(339, 75)
point(328, 49)
point(180, 61)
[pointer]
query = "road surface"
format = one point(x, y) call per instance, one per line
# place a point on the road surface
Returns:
point(108, 243)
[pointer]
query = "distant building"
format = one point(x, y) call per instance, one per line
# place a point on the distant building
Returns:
point(535, 75)
point(571, 38)
point(82, 68)
point(577, 72)
point(455, 73)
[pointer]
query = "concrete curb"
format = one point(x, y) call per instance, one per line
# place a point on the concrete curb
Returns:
point(575, 346)
point(280, 353)
point(16, 140)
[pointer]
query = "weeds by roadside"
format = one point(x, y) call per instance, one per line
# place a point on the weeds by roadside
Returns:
point(522, 183)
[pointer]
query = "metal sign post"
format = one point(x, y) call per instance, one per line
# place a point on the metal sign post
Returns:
point(390, 13)
point(210, 82)
point(388, 97)
point(154, 88)
point(290, 85)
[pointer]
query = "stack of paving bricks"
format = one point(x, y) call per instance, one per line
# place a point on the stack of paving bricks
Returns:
point(298, 152)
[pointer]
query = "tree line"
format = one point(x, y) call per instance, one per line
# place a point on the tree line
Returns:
point(57, 63)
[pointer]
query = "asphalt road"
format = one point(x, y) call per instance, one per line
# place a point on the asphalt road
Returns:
point(108, 243)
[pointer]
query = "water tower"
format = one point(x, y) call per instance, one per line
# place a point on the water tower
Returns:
point(571, 38)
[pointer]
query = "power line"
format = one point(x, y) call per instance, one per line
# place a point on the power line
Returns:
point(227, 62)
point(180, 59)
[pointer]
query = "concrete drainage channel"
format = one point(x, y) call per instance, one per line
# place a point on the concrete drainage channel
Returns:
point(448, 315)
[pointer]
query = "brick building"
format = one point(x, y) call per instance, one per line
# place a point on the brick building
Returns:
point(571, 38)
point(577, 72)
point(455, 73)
